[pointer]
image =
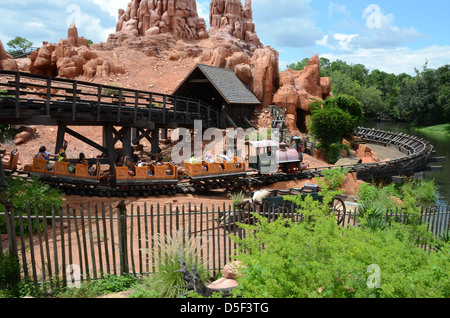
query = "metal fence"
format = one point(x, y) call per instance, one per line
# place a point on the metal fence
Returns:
point(97, 240)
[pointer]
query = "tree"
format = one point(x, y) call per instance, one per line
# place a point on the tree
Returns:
point(348, 104)
point(331, 124)
point(19, 45)
point(333, 120)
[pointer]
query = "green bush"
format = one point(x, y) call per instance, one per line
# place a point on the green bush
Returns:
point(108, 285)
point(332, 179)
point(20, 193)
point(348, 104)
point(9, 270)
point(283, 259)
point(330, 125)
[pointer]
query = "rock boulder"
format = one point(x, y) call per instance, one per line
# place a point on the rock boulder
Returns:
point(298, 89)
point(7, 62)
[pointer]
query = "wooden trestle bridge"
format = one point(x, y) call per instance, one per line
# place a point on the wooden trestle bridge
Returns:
point(29, 99)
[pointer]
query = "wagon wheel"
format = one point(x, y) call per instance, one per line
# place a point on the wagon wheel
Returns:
point(338, 205)
point(338, 208)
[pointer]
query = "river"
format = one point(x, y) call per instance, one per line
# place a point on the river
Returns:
point(442, 146)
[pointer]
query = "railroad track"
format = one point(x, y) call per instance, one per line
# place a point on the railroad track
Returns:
point(418, 154)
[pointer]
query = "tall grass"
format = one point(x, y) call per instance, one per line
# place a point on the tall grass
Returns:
point(167, 281)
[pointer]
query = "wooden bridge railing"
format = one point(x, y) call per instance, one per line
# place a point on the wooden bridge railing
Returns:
point(26, 95)
point(418, 154)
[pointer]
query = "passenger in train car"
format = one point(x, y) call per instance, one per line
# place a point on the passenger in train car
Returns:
point(209, 158)
point(82, 159)
point(130, 165)
point(62, 157)
point(43, 154)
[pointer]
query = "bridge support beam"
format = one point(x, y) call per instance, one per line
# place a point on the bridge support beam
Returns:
point(2, 174)
point(155, 141)
point(60, 137)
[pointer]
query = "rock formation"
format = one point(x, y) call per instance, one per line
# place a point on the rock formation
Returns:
point(298, 89)
point(70, 58)
point(231, 17)
point(7, 62)
point(153, 17)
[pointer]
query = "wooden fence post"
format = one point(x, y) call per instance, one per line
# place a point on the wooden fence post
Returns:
point(122, 233)
point(10, 229)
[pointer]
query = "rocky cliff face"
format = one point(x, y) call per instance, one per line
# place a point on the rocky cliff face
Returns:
point(70, 58)
point(298, 89)
point(7, 62)
point(230, 17)
point(153, 17)
point(170, 31)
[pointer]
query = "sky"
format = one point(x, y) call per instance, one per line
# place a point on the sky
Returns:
point(394, 36)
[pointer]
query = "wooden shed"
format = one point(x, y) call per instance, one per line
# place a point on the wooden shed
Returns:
point(222, 89)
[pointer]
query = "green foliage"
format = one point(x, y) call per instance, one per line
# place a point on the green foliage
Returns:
point(422, 191)
point(143, 292)
point(20, 193)
point(332, 179)
point(421, 99)
point(284, 259)
point(19, 45)
point(333, 120)
point(9, 271)
point(167, 282)
point(237, 197)
point(330, 125)
point(107, 285)
point(443, 129)
point(7, 133)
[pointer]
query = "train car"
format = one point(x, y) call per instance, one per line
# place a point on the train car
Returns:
point(59, 172)
point(10, 161)
point(147, 176)
point(220, 166)
point(287, 159)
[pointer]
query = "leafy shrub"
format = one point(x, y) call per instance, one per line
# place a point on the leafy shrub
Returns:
point(330, 125)
point(332, 178)
point(35, 193)
point(328, 261)
point(94, 288)
point(9, 270)
point(349, 104)
point(334, 152)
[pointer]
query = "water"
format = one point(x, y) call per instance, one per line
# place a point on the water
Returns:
point(442, 147)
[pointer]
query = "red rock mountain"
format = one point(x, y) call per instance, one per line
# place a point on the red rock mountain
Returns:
point(158, 42)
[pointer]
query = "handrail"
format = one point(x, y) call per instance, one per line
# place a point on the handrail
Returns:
point(419, 152)
point(78, 92)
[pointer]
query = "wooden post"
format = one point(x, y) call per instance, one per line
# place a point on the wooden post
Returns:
point(126, 142)
point(2, 175)
point(74, 100)
point(60, 137)
point(17, 99)
point(155, 141)
point(49, 92)
point(122, 233)
point(109, 144)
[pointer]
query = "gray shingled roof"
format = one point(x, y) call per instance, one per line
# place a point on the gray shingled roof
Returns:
point(232, 89)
